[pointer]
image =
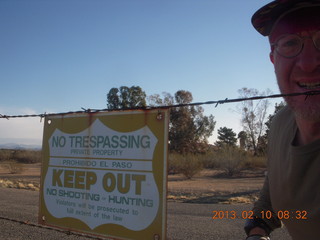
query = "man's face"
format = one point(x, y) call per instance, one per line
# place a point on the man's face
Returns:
point(300, 73)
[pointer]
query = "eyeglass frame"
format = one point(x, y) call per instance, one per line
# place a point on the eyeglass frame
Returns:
point(301, 39)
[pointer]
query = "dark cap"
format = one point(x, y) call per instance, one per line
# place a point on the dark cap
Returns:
point(265, 18)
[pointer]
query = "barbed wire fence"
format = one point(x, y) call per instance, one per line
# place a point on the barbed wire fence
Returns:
point(3, 116)
point(217, 102)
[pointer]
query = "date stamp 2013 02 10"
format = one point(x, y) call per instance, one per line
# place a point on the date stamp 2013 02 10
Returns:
point(282, 214)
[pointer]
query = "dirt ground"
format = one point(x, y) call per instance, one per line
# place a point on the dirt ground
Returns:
point(210, 186)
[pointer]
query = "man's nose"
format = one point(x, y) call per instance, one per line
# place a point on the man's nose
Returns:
point(309, 58)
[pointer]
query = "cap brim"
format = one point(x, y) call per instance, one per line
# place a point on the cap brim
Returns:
point(265, 18)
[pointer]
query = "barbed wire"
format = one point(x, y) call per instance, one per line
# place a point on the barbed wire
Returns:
point(218, 102)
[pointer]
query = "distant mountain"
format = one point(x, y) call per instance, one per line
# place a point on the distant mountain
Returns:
point(19, 146)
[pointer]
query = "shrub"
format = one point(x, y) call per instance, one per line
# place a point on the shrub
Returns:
point(188, 164)
point(174, 163)
point(255, 162)
point(191, 165)
point(231, 159)
point(26, 156)
point(5, 154)
point(209, 159)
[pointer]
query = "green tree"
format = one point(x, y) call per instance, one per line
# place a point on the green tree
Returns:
point(189, 128)
point(125, 97)
point(226, 136)
point(156, 100)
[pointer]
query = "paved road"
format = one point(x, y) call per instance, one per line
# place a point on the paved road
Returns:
point(185, 220)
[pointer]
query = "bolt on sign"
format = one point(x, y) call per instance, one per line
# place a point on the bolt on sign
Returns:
point(105, 173)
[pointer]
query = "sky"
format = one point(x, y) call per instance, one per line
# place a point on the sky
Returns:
point(65, 55)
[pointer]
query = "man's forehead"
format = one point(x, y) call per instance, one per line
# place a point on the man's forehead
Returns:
point(303, 20)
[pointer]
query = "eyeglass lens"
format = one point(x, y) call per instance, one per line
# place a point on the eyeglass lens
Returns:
point(291, 45)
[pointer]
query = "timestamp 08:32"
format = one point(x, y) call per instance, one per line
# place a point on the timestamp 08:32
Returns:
point(282, 214)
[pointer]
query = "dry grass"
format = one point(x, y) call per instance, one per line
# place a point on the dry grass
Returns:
point(13, 167)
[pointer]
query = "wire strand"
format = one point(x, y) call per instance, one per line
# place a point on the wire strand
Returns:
point(218, 102)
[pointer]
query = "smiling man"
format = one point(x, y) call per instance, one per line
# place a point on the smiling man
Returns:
point(291, 192)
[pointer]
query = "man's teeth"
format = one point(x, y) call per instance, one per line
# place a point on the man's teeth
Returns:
point(309, 85)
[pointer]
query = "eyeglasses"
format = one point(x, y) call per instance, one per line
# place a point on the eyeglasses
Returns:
point(291, 45)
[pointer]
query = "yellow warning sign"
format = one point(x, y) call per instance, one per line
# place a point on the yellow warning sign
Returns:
point(106, 173)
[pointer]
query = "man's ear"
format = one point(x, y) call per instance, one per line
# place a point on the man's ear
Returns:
point(271, 57)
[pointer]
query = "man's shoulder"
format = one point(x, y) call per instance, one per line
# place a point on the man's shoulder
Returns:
point(281, 132)
point(282, 123)
point(284, 115)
